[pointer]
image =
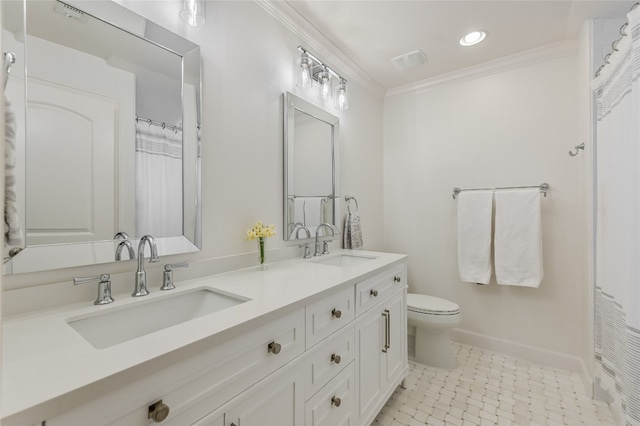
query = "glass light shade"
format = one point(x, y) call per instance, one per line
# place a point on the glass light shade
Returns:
point(305, 79)
point(324, 81)
point(193, 12)
point(341, 96)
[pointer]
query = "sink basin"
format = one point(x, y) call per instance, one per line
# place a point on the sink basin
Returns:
point(344, 260)
point(114, 326)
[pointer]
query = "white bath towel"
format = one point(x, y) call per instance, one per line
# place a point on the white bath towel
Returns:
point(474, 236)
point(518, 238)
point(352, 238)
point(12, 227)
point(313, 214)
point(298, 210)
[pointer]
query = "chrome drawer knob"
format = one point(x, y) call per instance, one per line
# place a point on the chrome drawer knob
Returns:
point(336, 313)
point(397, 279)
point(336, 401)
point(158, 411)
point(336, 358)
point(274, 348)
point(374, 293)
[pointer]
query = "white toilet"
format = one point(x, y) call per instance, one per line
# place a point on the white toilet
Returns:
point(433, 318)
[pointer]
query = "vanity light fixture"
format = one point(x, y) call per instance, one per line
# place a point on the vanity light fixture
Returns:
point(474, 37)
point(193, 12)
point(310, 69)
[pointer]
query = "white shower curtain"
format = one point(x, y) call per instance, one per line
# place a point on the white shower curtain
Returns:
point(617, 293)
point(158, 181)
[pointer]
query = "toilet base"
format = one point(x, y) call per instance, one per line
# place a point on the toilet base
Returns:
point(434, 348)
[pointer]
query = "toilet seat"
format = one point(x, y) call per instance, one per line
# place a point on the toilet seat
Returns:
point(430, 305)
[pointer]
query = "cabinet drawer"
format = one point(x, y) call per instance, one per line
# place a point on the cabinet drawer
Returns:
point(215, 375)
point(328, 315)
point(333, 405)
point(328, 359)
point(375, 289)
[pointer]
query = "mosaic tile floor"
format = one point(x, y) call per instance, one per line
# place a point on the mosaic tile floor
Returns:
point(489, 388)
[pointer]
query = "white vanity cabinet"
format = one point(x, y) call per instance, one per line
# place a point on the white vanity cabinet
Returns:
point(332, 359)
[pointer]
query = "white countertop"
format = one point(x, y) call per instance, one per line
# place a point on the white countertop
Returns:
point(44, 358)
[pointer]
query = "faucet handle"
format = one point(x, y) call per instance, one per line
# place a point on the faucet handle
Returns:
point(104, 287)
point(167, 276)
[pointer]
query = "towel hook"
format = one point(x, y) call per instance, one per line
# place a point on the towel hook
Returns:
point(9, 60)
point(348, 198)
point(577, 149)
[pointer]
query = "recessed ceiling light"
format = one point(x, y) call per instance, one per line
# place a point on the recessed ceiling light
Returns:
point(473, 37)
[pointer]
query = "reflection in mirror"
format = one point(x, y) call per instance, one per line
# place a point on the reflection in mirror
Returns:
point(107, 136)
point(310, 169)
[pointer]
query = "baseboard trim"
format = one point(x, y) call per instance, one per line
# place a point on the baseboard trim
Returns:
point(530, 353)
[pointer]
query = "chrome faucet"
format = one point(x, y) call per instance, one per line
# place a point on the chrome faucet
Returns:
point(307, 250)
point(141, 275)
point(129, 246)
point(326, 243)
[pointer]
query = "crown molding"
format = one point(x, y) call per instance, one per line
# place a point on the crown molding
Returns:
point(529, 57)
point(319, 45)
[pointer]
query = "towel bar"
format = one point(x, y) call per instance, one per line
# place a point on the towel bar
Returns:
point(544, 187)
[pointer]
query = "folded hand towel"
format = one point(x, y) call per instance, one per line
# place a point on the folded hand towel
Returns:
point(313, 214)
point(474, 236)
point(518, 238)
point(352, 231)
point(298, 210)
point(12, 226)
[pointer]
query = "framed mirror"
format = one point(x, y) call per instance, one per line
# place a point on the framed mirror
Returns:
point(311, 169)
point(106, 137)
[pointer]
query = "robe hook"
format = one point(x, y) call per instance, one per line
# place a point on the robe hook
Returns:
point(577, 150)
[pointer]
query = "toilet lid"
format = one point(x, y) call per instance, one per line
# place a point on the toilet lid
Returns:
point(423, 304)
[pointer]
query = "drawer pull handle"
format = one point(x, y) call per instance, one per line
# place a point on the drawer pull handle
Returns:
point(274, 348)
point(397, 279)
point(336, 358)
point(336, 313)
point(374, 293)
point(158, 411)
point(336, 401)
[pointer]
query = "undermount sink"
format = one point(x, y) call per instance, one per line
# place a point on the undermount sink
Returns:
point(114, 326)
point(343, 260)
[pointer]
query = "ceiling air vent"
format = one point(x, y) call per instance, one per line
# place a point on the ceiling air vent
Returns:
point(409, 60)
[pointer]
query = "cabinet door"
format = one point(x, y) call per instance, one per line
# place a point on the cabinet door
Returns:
point(395, 359)
point(369, 345)
point(276, 401)
point(381, 351)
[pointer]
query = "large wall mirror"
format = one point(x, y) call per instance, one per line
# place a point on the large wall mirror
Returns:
point(311, 168)
point(107, 133)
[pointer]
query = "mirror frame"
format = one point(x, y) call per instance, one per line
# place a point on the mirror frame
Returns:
point(293, 103)
point(67, 255)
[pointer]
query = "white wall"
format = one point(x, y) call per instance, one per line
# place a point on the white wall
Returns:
point(248, 59)
point(510, 128)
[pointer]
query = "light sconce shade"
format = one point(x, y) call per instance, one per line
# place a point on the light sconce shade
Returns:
point(193, 12)
point(305, 77)
point(324, 80)
point(341, 96)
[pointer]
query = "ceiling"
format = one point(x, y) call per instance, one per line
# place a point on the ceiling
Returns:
point(371, 32)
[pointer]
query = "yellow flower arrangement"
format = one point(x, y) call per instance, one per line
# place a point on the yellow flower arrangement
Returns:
point(261, 231)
